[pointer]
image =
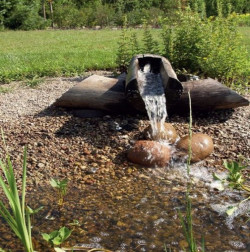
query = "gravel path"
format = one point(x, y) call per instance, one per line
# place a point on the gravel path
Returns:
point(87, 150)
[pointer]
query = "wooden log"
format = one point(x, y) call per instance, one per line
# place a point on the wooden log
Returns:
point(108, 94)
point(207, 94)
point(96, 92)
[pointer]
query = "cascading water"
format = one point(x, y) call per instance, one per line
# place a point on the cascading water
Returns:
point(153, 95)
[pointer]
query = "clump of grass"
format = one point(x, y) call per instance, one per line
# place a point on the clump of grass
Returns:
point(4, 90)
point(17, 218)
point(34, 82)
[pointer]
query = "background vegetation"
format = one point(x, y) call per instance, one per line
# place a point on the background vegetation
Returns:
point(179, 30)
point(40, 14)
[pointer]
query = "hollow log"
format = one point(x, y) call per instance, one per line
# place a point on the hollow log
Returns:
point(158, 66)
point(108, 94)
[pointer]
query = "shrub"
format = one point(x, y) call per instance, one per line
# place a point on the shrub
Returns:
point(241, 19)
point(150, 44)
point(221, 53)
point(183, 41)
point(26, 17)
point(211, 47)
point(67, 16)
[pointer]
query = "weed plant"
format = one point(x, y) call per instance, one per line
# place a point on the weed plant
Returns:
point(61, 187)
point(4, 90)
point(34, 82)
point(57, 237)
point(187, 221)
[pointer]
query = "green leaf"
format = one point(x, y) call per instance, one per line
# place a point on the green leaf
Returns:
point(231, 210)
point(46, 237)
point(54, 234)
point(33, 211)
point(216, 177)
point(57, 240)
point(65, 233)
point(54, 183)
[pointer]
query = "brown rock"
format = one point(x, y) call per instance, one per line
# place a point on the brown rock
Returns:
point(201, 145)
point(168, 133)
point(149, 153)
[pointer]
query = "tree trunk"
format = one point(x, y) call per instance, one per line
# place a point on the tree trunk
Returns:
point(51, 13)
point(44, 10)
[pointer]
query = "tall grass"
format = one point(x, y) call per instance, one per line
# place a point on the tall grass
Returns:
point(17, 218)
point(187, 221)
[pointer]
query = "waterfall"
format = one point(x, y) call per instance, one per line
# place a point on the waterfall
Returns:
point(153, 95)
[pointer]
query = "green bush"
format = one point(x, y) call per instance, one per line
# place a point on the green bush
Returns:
point(26, 17)
point(221, 52)
point(211, 47)
point(67, 16)
point(185, 40)
point(241, 19)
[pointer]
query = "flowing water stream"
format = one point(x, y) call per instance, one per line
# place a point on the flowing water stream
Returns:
point(153, 95)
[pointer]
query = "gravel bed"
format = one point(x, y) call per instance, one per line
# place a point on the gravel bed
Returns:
point(88, 149)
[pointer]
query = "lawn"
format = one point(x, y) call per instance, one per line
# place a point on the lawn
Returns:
point(53, 53)
point(28, 54)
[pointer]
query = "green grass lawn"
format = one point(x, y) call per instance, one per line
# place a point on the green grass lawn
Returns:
point(28, 54)
point(25, 54)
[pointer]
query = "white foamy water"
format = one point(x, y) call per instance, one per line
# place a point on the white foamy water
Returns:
point(153, 95)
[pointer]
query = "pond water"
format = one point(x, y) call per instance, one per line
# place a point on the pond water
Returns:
point(139, 213)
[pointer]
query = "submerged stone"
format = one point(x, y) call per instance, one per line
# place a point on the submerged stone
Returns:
point(167, 133)
point(150, 153)
point(201, 145)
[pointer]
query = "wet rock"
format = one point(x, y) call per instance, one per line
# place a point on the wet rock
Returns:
point(201, 145)
point(169, 133)
point(149, 153)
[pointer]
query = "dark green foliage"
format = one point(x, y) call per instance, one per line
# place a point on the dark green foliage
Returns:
point(38, 14)
point(150, 44)
point(24, 15)
point(123, 53)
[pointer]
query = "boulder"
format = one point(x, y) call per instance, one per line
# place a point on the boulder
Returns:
point(150, 153)
point(201, 145)
point(168, 133)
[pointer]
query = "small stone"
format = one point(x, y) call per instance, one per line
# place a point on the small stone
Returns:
point(183, 244)
point(41, 165)
point(202, 146)
point(150, 153)
point(167, 133)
